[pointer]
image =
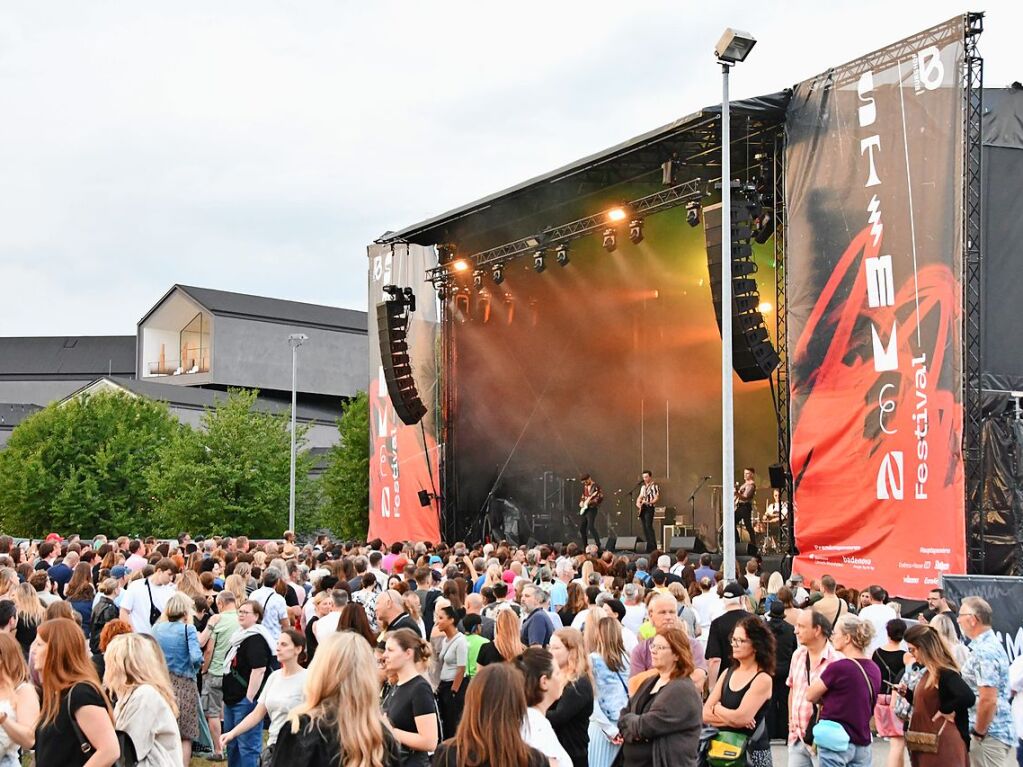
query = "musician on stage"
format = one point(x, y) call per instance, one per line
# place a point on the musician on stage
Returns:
point(744, 505)
point(649, 495)
point(590, 500)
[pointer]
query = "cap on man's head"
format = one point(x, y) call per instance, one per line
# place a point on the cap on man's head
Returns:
point(435, 560)
point(795, 578)
point(734, 590)
point(118, 571)
point(54, 538)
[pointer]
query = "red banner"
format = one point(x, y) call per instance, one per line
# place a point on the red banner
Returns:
point(874, 244)
point(403, 459)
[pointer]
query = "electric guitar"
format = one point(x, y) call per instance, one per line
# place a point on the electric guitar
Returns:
point(585, 502)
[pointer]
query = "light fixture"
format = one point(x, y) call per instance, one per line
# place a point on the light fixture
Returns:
point(693, 213)
point(442, 291)
point(616, 215)
point(561, 254)
point(636, 231)
point(610, 240)
point(538, 262)
point(460, 265)
point(477, 279)
point(734, 46)
point(763, 227)
point(764, 307)
point(497, 272)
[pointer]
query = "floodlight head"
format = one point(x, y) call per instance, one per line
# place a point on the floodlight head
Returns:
point(297, 339)
point(734, 46)
point(497, 273)
point(610, 240)
point(538, 262)
point(636, 231)
point(477, 279)
point(561, 254)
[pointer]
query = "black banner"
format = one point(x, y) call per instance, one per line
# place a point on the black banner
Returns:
point(1004, 594)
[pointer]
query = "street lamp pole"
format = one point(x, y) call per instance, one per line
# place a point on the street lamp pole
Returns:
point(295, 340)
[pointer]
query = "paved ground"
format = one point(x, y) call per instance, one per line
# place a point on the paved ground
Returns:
point(778, 753)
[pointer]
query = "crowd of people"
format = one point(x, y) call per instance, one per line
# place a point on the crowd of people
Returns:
point(277, 653)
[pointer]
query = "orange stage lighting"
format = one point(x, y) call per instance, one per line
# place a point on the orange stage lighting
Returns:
point(615, 215)
point(764, 307)
point(460, 265)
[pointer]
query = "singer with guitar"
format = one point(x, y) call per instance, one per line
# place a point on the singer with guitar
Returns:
point(591, 499)
point(744, 496)
point(649, 495)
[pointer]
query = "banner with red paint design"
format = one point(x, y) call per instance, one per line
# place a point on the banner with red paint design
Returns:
point(874, 244)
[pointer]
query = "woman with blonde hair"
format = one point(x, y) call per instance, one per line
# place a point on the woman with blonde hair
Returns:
point(611, 676)
point(570, 714)
point(946, 629)
point(235, 583)
point(507, 644)
point(189, 583)
point(8, 582)
point(71, 696)
point(179, 641)
point(30, 614)
point(340, 721)
point(19, 704)
point(146, 709)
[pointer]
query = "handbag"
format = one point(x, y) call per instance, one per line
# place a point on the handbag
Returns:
point(154, 614)
point(728, 748)
point(924, 742)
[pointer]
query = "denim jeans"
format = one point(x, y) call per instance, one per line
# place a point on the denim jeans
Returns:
point(244, 750)
point(854, 756)
point(799, 755)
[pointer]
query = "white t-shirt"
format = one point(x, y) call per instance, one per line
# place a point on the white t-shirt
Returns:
point(281, 694)
point(326, 625)
point(707, 606)
point(634, 617)
point(538, 733)
point(136, 601)
point(879, 615)
point(275, 609)
point(453, 653)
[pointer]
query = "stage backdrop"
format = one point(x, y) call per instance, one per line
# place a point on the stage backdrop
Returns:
point(874, 193)
point(403, 459)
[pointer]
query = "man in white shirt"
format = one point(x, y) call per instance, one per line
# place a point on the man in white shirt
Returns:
point(275, 608)
point(878, 613)
point(137, 556)
point(145, 595)
point(375, 558)
point(708, 606)
point(328, 623)
point(635, 610)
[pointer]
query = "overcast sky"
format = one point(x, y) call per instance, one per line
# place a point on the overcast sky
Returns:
point(260, 146)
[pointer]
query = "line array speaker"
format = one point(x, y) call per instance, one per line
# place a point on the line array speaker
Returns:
point(392, 324)
point(753, 355)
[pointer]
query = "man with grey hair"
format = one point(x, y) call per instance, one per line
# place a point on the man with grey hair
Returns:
point(216, 641)
point(664, 614)
point(635, 610)
point(986, 671)
point(275, 607)
point(564, 572)
point(537, 627)
point(390, 612)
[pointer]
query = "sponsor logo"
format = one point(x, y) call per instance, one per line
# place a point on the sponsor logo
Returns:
point(889, 477)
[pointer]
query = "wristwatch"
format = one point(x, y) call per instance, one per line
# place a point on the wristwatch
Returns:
point(978, 735)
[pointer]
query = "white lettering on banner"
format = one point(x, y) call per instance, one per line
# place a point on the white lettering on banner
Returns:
point(880, 281)
point(920, 419)
point(885, 357)
point(874, 219)
point(884, 407)
point(889, 477)
point(928, 68)
point(868, 145)
point(868, 109)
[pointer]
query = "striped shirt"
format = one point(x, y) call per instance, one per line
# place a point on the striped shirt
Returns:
point(648, 492)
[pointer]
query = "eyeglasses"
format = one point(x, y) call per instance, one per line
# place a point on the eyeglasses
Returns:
point(967, 615)
point(246, 612)
point(736, 641)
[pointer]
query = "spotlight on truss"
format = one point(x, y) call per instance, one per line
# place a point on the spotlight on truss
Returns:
point(610, 240)
point(636, 231)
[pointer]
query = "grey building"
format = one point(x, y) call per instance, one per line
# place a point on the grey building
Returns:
point(40, 369)
point(10, 416)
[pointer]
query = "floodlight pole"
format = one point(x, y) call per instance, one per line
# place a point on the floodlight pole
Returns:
point(295, 340)
point(727, 415)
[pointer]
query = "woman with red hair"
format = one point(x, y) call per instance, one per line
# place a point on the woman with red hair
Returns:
point(76, 726)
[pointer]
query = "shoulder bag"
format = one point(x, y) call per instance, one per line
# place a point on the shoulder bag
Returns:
point(154, 614)
point(729, 749)
point(924, 742)
point(126, 746)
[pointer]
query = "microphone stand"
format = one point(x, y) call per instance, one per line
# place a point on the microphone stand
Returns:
point(632, 505)
point(692, 501)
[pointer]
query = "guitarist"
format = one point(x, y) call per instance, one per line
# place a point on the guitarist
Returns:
point(649, 495)
point(591, 499)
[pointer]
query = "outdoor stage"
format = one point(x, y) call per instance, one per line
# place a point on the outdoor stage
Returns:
point(534, 371)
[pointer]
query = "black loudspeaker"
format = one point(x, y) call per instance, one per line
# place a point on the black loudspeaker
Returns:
point(685, 542)
point(611, 544)
point(753, 356)
point(626, 543)
point(392, 324)
point(777, 473)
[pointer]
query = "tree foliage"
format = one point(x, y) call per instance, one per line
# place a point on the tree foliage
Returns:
point(345, 483)
point(231, 476)
point(80, 466)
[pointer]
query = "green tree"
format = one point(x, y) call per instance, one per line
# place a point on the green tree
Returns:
point(80, 466)
point(231, 475)
point(345, 482)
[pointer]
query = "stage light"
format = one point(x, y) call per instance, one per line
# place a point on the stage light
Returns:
point(538, 262)
point(477, 279)
point(610, 240)
point(636, 231)
point(497, 273)
point(442, 291)
point(460, 265)
point(693, 213)
point(764, 307)
point(561, 254)
point(616, 215)
point(734, 46)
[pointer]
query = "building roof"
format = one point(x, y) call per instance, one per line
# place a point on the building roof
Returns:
point(260, 308)
point(12, 414)
point(196, 398)
point(66, 357)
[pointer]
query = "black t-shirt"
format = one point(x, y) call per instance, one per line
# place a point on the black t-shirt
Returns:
point(311, 643)
point(56, 743)
point(253, 653)
point(447, 756)
point(570, 718)
point(892, 663)
point(488, 654)
point(719, 638)
point(403, 704)
point(290, 597)
point(316, 745)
